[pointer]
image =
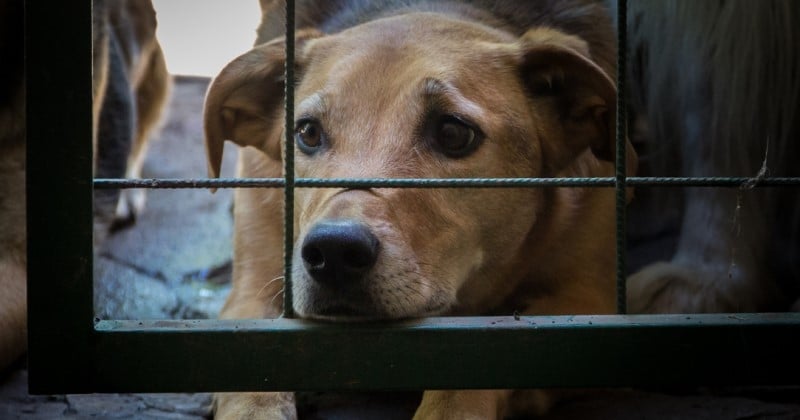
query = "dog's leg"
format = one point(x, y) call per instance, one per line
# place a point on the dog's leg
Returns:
point(252, 405)
point(114, 135)
point(485, 404)
point(720, 262)
point(151, 97)
point(463, 405)
point(716, 268)
point(255, 406)
point(257, 284)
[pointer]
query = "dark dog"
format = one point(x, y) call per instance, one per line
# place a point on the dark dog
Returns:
point(131, 85)
point(12, 183)
point(398, 89)
point(717, 89)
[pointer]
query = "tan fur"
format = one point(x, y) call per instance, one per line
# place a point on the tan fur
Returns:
point(133, 24)
point(442, 251)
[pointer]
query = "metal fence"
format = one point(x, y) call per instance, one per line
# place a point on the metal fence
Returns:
point(71, 351)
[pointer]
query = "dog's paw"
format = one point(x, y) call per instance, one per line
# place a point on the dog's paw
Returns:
point(460, 405)
point(130, 205)
point(673, 288)
point(255, 406)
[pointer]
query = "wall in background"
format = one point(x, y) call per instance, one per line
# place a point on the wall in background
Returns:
point(200, 36)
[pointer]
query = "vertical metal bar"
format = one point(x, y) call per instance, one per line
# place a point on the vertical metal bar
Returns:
point(622, 134)
point(288, 159)
point(59, 196)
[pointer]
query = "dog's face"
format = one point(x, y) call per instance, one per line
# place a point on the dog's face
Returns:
point(416, 96)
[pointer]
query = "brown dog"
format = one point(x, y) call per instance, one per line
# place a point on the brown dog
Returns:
point(131, 85)
point(426, 89)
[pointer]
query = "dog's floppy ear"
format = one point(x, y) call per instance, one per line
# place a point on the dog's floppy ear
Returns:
point(559, 73)
point(244, 103)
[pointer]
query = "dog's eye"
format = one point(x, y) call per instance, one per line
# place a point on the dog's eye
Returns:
point(308, 136)
point(455, 138)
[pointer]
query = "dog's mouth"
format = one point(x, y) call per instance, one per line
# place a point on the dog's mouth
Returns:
point(348, 270)
point(380, 296)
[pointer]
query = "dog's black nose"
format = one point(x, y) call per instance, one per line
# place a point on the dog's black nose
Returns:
point(336, 252)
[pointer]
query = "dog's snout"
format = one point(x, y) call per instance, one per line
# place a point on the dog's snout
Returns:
point(335, 252)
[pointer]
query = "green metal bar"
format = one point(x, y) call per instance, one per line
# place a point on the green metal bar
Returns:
point(621, 166)
point(715, 182)
point(59, 195)
point(448, 353)
point(288, 189)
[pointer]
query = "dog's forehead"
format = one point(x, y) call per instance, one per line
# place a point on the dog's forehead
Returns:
point(412, 33)
point(395, 57)
point(430, 26)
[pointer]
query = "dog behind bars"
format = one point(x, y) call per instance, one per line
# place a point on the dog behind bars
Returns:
point(424, 89)
point(716, 85)
point(130, 88)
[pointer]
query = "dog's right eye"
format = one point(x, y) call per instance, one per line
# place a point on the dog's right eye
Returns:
point(456, 138)
point(308, 136)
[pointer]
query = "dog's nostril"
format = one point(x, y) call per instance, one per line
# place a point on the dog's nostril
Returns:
point(313, 257)
point(339, 251)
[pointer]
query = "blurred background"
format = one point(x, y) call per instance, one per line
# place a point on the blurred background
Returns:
point(200, 36)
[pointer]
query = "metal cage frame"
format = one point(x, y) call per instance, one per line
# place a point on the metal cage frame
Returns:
point(72, 352)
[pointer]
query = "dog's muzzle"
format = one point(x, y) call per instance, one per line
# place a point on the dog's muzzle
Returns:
point(337, 253)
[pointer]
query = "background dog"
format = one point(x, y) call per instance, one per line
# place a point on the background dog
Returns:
point(716, 88)
point(131, 85)
point(397, 89)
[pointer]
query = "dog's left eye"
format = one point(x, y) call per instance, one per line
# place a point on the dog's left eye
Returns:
point(456, 138)
point(308, 135)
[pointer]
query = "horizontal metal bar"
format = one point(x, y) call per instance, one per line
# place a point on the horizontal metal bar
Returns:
point(730, 182)
point(447, 353)
point(725, 182)
point(115, 183)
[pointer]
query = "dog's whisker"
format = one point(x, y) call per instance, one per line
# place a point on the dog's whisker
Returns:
point(279, 293)
point(267, 284)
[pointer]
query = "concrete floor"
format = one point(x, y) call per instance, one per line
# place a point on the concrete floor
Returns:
point(175, 263)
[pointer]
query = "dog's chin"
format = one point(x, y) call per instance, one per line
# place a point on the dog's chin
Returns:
point(348, 313)
point(359, 303)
